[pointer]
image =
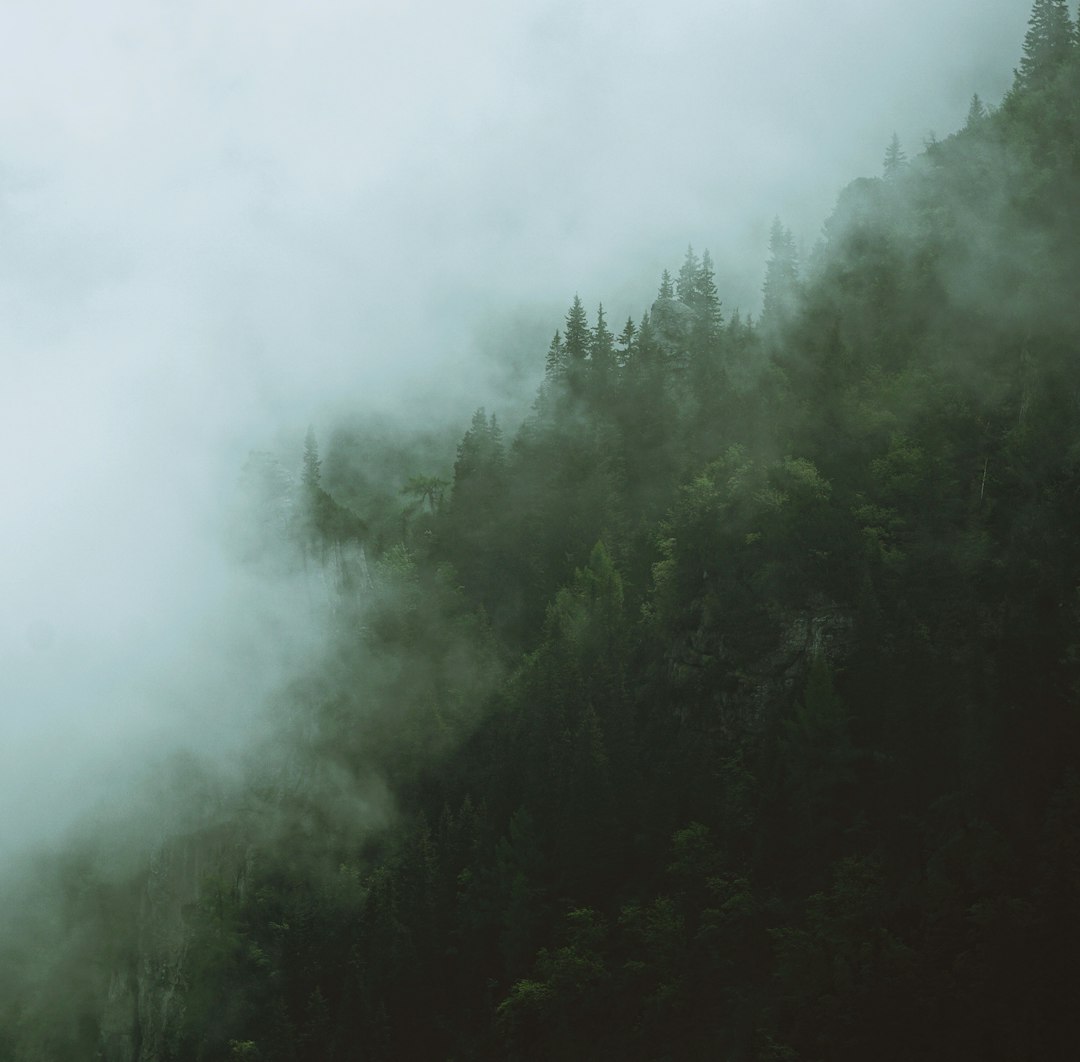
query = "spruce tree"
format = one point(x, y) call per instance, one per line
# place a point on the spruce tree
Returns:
point(626, 340)
point(707, 303)
point(577, 339)
point(602, 349)
point(1048, 44)
point(781, 279)
point(976, 113)
point(479, 465)
point(555, 363)
point(576, 334)
point(687, 284)
point(667, 287)
point(895, 159)
point(644, 367)
point(646, 339)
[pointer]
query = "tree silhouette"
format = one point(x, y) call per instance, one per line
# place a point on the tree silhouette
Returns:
point(1048, 44)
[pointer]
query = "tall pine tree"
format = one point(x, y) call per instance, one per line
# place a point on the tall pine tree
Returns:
point(577, 339)
point(709, 320)
point(895, 159)
point(555, 363)
point(626, 340)
point(1048, 44)
point(781, 280)
point(687, 285)
point(976, 113)
point(602, 353)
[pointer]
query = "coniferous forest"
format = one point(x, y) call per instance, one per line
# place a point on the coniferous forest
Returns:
point(725, 707)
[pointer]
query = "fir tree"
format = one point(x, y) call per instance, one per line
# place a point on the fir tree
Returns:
point(576, 335)
point(602, 348)
point(480, 452)
point(895, 159)
point(687, 284)
point(709, 319)
point(577, 339)
point(1048, 44)
point(781, 279)
point(555, 363)
point(496, 449)
point(646, 339)
point(643, 369)
point(667, 286)
point(626, 341)
point(976, 114)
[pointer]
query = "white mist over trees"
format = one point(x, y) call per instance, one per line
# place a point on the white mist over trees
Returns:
point(638, 666)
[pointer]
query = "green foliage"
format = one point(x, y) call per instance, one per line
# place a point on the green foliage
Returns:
point(734, 695)
point(895, 160)
point(781, 288)
point(1049, 44)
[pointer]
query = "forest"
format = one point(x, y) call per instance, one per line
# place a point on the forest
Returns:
point(727, 706)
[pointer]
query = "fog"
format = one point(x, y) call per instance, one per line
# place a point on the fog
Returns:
point(222, 223)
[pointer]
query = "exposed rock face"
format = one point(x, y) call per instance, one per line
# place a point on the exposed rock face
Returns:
point(821, 630)
point(336, 575)
point(143, 1002)
point(728, 696)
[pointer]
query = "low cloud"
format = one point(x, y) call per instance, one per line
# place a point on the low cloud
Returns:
point(221, 224)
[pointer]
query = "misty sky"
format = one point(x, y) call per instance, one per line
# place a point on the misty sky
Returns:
point(222, 221)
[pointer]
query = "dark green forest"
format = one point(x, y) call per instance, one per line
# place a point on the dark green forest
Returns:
point(725, 707)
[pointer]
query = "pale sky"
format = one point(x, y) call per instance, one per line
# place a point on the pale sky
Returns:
point(220, 221)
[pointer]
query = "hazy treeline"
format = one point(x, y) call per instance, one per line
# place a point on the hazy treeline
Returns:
point(724, 708)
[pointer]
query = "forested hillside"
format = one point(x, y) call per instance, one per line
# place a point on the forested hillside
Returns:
point(728, 707)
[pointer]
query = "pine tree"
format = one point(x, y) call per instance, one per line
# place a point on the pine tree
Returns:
point(707, 303)
point(705, 415)
point(895, 159)
point(781, 279)
point(577, 339)
point(480, 452)
point(646, 340)
point(555, 363)
point(602, 349)
point(976, 114)
point(1048, 44)
point(687, 284)
point(667, 287)
point(478, 469)
point(576, 335)
point(496, 451)
point(626, 341)
point(643, 368)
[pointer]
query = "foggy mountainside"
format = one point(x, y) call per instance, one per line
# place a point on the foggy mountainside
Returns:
point(712, 694)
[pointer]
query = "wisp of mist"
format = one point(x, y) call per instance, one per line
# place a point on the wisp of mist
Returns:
point(222, 224)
